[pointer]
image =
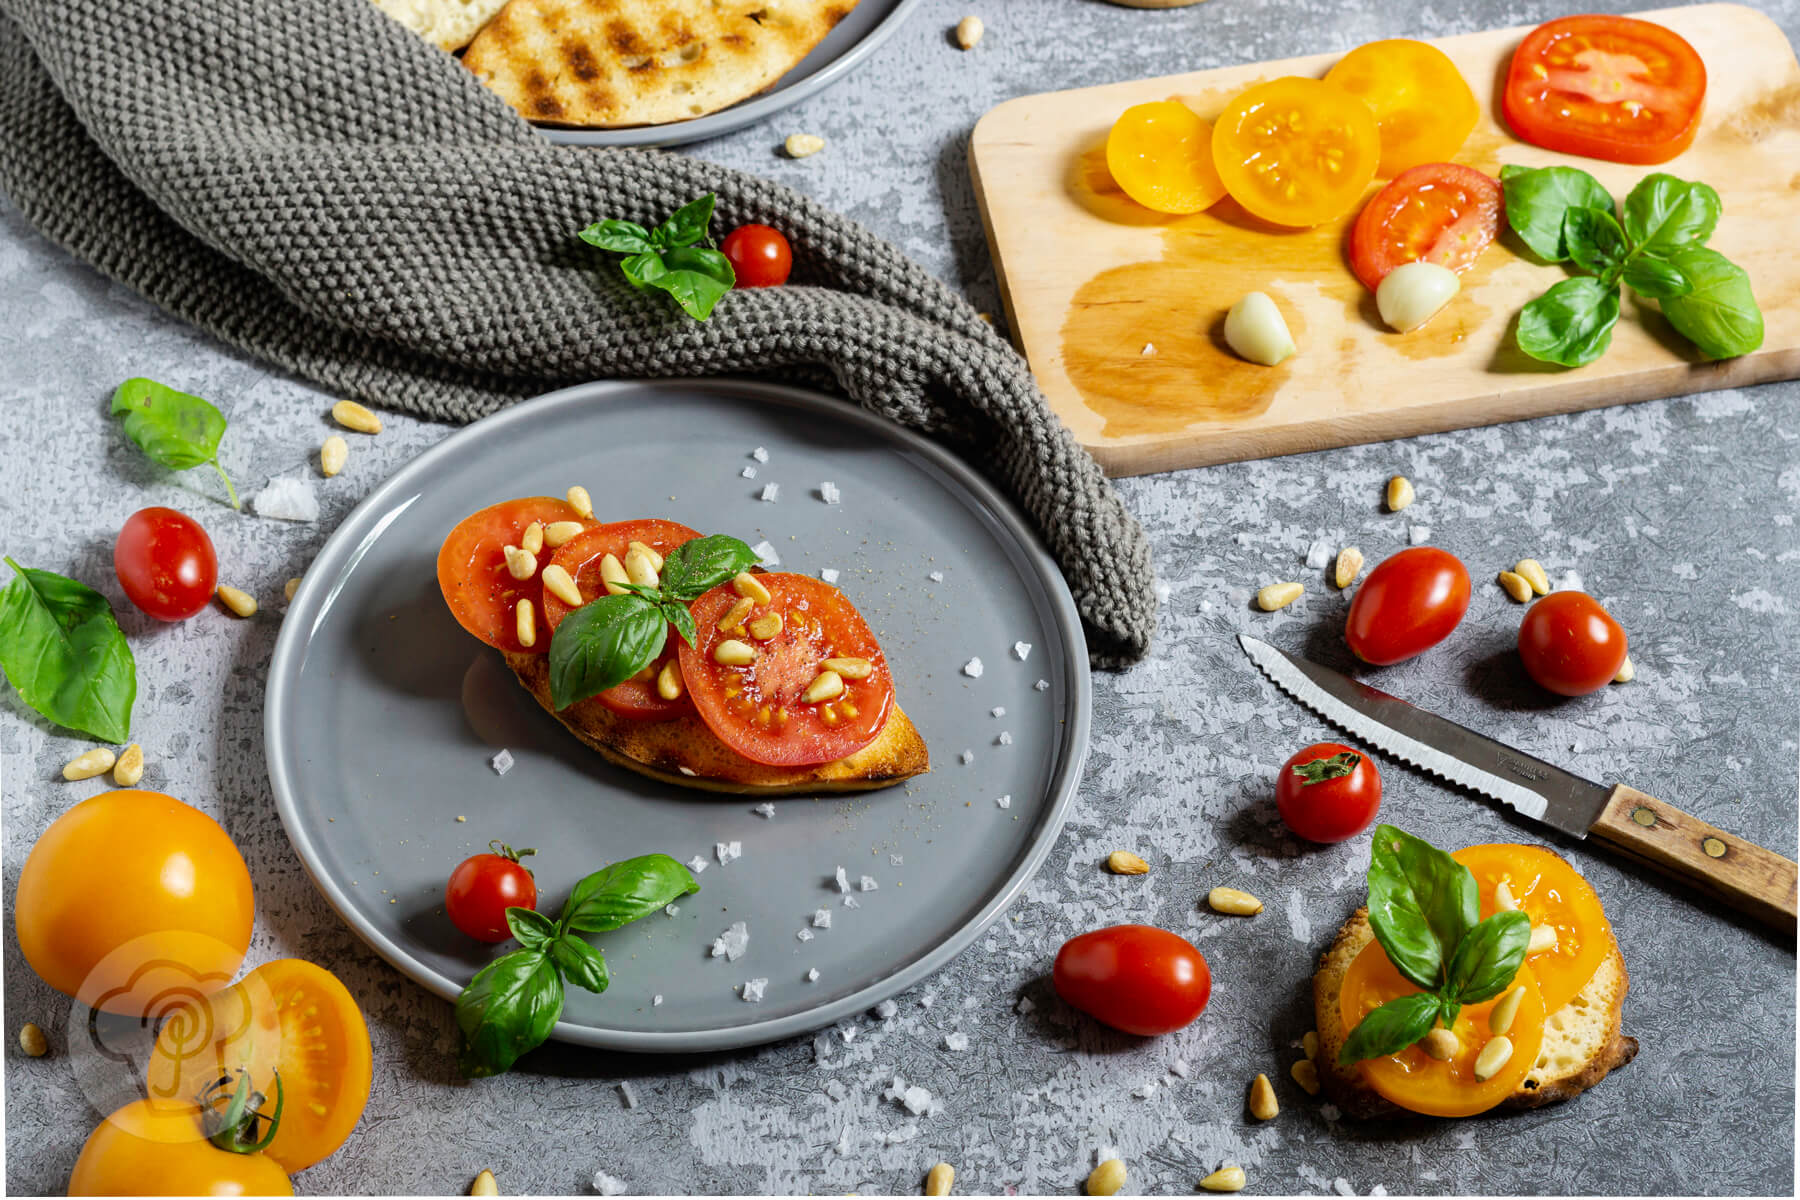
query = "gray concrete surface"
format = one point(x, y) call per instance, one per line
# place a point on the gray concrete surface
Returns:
point(1679, 515)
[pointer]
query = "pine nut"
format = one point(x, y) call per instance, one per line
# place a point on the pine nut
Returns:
point(1306, 1074)
point(969, 31)
point(32, 1040)
point(826, 685)
point(733, 653)
point(558, 532)
point(97, 761)
point(746, 584)
point(669, 681)
point(484, 1185)
point(130, 767)
point(939, 1181)
point(849, 668)
point(1399, 493)
point(1543, 937)
point(525, 618)
point(1441, 1044)
point(613, 575)
point(333, 454)
point(766, 626)
point(559, 584)
point(803, 145)
point(1278, 595)
point(1503, 897)
point(1502, 1015)
point(520, 564)
point(1107, 1178)
point(292, 586)
point(1533, 573)
point(1309, 1045)
point(1516, 585)
point(354, 416)
point(1263, 1105)
point(239, 602)
point(1627, 672)
point(1349, 565)
point(639, 570)
point(1124, 862)
point(1225, 1179)
point(1495, 1055)
point(735, 617)
point(581, 502)
point(532, 540)
point(1234, 902)
point(656, 560)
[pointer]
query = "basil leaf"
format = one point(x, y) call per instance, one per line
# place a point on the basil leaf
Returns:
point(1719, 315)
point(682, 620)
point(602, 644)
point(694, 568)
point(1421, 903)
point(65, 655)
point(1320, 769)
point(508, 1008)
point(531, 927)
point(1537, 198)
point(621, 237)
point(584, 966)
point(175, 429)
point(696, 278)
point(1594, 240)
point(686, 225)
point(643, 270)
point(1655, 278)
point(1570, 324)
point(1488, 957)
point(620, 894)
point(1391, 1028)
point(1664, 214)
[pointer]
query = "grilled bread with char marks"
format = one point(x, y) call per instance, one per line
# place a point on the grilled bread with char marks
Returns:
point(446, 24)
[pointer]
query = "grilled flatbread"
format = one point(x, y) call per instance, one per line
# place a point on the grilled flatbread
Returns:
point(446, 24)
point(609, 63)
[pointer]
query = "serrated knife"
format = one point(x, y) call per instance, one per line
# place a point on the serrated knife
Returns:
point(1739, 873)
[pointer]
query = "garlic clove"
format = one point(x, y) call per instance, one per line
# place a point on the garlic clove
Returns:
point(1255, 330)
point(1412, 293)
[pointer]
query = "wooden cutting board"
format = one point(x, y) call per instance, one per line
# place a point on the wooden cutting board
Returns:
point(1120, 310)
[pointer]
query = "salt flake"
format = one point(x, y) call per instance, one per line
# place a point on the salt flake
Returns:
point(852, 902)
point(728, 851)
point(896, 860)
point(867, 883)
point(843, 1142)
point(753, 990)
point(805, 935)
point(765, 810)
point(835, 1089)
point(886, 1009)
point(656, 1000)
point(731, 944)
point(1042, 685)
point(501, 762)
point(1025, 1006)
point(1021, 650)
point(760, 454)
point(1418, 535)
point(822, 919)
point(672, 909)
point(770, 492)
point(843, 880)
point(812, 975)
point(1318, 555)
point(828, 492)
point(1144, 1091)
point(973, 668)
point(1180, 1067)
point(828, 574)
point(1004, 801)
point(1005, 739)
point(997, 711)
point(608, 1185)
point(628, 1094)
point(967, 757)
point(748, 472)
point(288, 499)
point(765, 554)
point(958, 1041)
point(696, 864)
point(936, 577)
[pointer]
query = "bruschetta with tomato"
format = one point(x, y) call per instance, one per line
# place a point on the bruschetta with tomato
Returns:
point(676, 656)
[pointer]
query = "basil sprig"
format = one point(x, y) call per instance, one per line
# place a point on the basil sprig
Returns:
point(514, 1002)
point(669, 258)
point(64, 652)
point(1658, 250)
point(175, 429)
point(1425, 911)
point(607, 641)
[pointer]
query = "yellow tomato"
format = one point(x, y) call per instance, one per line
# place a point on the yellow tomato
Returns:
point(131, 895)
point(144, 1150)
point(1296, 151)
point(1551, 893)
point(286, 1015)
point(1161, 155)
point(1422, 104)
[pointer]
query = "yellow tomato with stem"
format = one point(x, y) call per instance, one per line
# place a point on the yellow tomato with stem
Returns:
point(1296, 151)
point(1160, 154)
point(145, 1149)
point(1421, 102)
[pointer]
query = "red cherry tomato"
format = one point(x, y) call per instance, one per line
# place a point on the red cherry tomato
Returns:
point(1570, 644)
point(1328, 792)
point(1439, 213)
point(759, 254)
point(484, 886)
point(1407, 605)
point(165, 563)
point(1136, 978)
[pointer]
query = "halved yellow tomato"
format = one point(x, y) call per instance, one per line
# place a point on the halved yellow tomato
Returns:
point(1161, 155)
point(1551, 893)
point(1296, 151)
point(1422, 104)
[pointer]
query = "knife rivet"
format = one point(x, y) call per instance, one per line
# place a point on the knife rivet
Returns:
point(1714, 848)
point(1644, 817)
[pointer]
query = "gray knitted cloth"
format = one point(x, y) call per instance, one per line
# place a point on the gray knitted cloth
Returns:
point(308, 181)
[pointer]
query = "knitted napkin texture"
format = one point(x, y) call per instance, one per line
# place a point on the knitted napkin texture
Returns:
point(308, 181)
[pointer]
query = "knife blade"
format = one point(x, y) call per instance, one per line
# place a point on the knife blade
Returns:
point(1741, 873)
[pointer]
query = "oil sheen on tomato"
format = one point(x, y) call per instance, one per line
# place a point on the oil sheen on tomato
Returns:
point(1551, 893)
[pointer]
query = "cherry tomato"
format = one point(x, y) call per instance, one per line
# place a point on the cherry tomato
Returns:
point(1296, 151)
point(165, 563)
point(1551, 893)
point(477, 585)
point(1422, 104)
point(1328, 792)
point(1407, 605)
point(1606, 87)
point(484, 886)
point(1137, 978)
point(1570, 644)
point(1440, 213)
point(1161, 155)
point(759, 254)
point(149, 1150)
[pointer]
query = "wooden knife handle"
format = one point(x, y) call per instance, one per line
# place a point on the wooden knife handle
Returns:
point(1742, 874)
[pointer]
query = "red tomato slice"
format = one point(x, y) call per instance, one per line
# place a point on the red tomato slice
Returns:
point(1606, 87)
point(472, 574)
point(580, 557)
point(1442, 213)
point(759, 710)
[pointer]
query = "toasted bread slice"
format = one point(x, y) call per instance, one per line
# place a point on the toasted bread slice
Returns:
point(1582, 1042)
point(609, 63)
point(685, 752)
point(446, 24)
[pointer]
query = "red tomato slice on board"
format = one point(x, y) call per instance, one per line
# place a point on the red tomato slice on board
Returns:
point(472, 574)
point(759, 710)
point(1606, 87)
point(1441, 213)
point(581, 556)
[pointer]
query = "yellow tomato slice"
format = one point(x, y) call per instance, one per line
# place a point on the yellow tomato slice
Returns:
point(1296, 151)
point(1161, 155)
point(1551, 893)
point(1422, 1084)
point(1422, 104)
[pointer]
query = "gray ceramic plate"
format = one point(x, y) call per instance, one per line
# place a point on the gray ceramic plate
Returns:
point(844, 49)
point(383, 714)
